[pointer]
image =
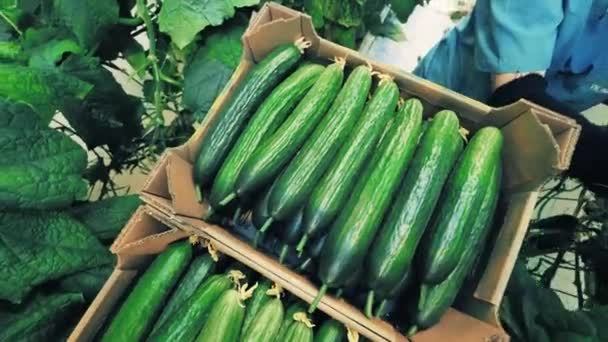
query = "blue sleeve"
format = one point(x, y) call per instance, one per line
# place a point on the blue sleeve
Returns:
point(515, 35)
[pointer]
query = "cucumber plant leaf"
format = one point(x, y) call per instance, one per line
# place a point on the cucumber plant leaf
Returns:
point(46, 90)
point(87, 282)
point(40, 167)
point(39, 318)
point(210, 69)
point(39, 246)
point(105, 218)
point(89, 20)
point(182, 20)
point(108, 115)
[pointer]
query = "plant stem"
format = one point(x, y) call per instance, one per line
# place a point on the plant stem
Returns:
point(130, 21)
point(11, 23)
point(142, 11)
point(577, 281)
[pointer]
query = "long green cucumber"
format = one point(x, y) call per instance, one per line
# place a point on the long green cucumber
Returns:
point(199, 270)
point(332, 191)
point(267, 322)
point(271, 113)
point(436, 299)
point(354, 230)
point(330, 331)
point(402, 285)
point(185, 325)
point(288, 319)
point(276, 151)
point(138, 312)
point(394, 247)
point(300, 330)
point(224, 131)
point(447, 236)
point(256, 302)
point(225, 319)
point(298, 180)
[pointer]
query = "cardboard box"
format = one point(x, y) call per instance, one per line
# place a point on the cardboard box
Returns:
point(538, 145)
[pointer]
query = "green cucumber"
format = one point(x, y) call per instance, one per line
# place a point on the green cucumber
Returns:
point(256, 302)
point(332, 191)
point(264, 122)
point(199, 270)
point(300, 330)
point(295, 184)
point(267, 322)
point(288, 319)
point(353, 232)
point(276, 151)
point(448, 235)
point(185, 325)
point(394, 247)
point(225, 319)
point(233, 116)
point(138, 312)
point(436, 299)
point(330, 331)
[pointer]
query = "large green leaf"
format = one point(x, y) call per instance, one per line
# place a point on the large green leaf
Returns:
point(46, 90)
point(210, 69)
point(106, 218)
point(87, 282)
point(89, 20)
point(45, 47)
point(347, 13)
point(40, 167)
point(39, 318)
point(39, 246)
point(184, 19)
point(108, 115)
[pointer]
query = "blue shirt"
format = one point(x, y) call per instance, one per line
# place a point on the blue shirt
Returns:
point(567, 38)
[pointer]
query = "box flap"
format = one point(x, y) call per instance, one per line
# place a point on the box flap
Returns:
point(173, 176)
point(494, 281)
point(141, 238)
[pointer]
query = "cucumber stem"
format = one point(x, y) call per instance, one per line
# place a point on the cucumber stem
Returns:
point(227, 199)
point(412, 330)
point(283, 253)
point(210, 212)
point(381, 307)
point(199, 194)
point(369, 304)
point(257, 238)
point(301, 244)
point(303, 265)
point(266, 225)
point(236, 219)
point(315, 302)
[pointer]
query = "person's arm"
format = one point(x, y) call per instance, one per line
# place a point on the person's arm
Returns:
point(515, 37)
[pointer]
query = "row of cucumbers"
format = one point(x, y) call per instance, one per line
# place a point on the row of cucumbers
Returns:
point(378, 185)
point(186, 297)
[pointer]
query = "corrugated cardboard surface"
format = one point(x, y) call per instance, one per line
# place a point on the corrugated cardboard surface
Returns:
point(538, 145)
